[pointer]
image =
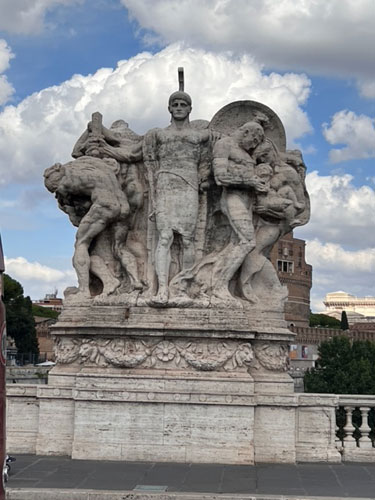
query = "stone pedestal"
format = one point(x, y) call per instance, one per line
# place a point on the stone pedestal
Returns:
point(164, 385)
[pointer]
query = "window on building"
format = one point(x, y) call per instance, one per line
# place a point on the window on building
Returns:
point(285, 266)
point(293, 349)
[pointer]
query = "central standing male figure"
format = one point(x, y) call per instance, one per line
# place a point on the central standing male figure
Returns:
point(173, 156)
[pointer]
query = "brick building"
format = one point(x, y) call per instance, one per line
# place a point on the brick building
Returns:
point(288, 257)
point(43, 334)
point(50, 301)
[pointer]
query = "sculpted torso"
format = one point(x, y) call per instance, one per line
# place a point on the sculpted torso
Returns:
point(178, 154)
point(184, 144)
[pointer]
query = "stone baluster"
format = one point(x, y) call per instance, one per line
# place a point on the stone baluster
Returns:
point(365, 441)
point(349, 440)
point(338, 441)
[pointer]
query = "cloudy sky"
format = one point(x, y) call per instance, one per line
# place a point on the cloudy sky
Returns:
point(312, 61)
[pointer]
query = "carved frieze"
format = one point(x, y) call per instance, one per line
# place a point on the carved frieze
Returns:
point(201, 355)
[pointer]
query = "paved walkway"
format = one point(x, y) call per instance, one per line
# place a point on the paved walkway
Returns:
point(170, 480)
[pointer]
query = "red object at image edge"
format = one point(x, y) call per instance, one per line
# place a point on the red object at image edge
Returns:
point(2, 375)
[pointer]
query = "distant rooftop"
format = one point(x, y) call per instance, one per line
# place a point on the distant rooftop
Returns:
point(336, 302)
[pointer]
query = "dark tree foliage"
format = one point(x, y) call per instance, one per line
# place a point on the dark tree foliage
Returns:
point(19, 317)
point(324, 321)
point(44, 312)
point(343, 367)
point(344, 321)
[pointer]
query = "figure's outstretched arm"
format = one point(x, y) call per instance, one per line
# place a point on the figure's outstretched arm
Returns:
point(122, 154)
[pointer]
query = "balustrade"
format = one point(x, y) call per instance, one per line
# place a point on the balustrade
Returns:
point(355, 427)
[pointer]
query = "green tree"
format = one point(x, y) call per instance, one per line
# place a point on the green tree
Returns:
point(44, 312)
point(343, 367)
point(19, 317)
point(344, 321)
point(323, 321)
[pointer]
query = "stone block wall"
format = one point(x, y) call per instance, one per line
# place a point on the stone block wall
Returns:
point(152, 427)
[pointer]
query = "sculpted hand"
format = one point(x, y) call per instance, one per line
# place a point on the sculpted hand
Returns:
point(92, 146)
point(223, 179)
point(261, 210)
point(286, 203)
point(97, 146)
point(259, 185)
point(204, 186)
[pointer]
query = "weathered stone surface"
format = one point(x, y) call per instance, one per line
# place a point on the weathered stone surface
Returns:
point(56, 423)
point(22, 418)
point(278, 424)
point(180, 433)
point(316, 434)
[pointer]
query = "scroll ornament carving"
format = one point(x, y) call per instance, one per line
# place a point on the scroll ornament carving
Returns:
point(125, 353)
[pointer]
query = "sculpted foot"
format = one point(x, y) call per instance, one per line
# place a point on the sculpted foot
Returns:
point(250, 296)
point(181, 300)
point(222, 294)
point(111, 287)
point(138, 285)
point(160, 299)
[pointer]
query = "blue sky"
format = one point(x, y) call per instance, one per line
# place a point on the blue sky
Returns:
point(311, 61)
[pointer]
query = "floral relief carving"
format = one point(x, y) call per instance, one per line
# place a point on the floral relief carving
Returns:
point(128, 353)
point(165, 351)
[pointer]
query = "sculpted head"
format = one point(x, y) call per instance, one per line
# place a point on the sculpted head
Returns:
point(266, 153)
point(53, 176)
point(119, 125)
point(264, 171)
point(294, 159)
point(66, 350)
point(179, 105)
point(250, 135)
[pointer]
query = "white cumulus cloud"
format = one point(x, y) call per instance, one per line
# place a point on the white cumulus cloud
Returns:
point(27, 17)
point(331, 38)
point(340, 242)
point(341, 212)
point(355, 132)
point(38, 279)
point(43, 128)
point(336, 268)
point(331, 257)
point(6, 89)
